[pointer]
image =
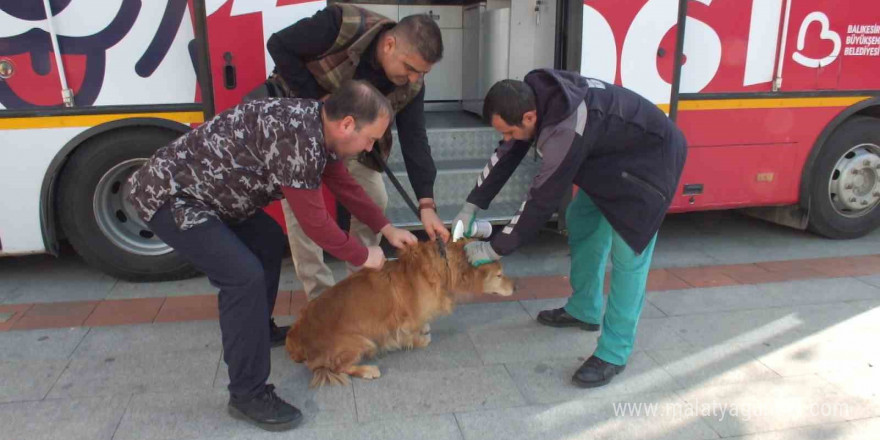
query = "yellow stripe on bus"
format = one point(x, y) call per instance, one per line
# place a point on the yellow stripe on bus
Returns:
point(742, 104)
point(32, 122)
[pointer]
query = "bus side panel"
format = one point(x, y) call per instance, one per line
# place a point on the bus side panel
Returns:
point(749, 156)
point(832, 45)
point(237, 36)
point(30, 151)
point(119, 52)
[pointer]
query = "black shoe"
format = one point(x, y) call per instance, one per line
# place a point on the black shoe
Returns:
point(266, 411)
point(277, 335)
point(595, 372)
point(561, 318)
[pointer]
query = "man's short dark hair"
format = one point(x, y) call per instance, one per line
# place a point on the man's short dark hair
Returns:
point(422, 34)
point(509, 99)
point(357, 99)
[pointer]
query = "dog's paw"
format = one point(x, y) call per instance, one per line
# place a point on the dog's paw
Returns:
point(370, 372)
point(422, 341)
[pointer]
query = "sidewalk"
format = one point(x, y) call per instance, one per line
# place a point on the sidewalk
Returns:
point(795, 359)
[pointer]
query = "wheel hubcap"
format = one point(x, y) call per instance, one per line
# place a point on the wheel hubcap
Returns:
point(854, 187)
point(117, 219)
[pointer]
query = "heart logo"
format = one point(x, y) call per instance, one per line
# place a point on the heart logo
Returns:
point(825, 34)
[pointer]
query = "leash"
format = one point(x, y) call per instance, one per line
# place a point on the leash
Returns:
point(441, 246)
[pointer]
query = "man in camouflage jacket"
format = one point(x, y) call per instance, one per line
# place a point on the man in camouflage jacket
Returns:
point(203, 195)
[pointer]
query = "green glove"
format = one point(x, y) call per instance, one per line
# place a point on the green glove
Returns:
point(467, 216)
point(480, 253)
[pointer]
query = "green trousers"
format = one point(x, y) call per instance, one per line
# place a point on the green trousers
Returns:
point(591, 238)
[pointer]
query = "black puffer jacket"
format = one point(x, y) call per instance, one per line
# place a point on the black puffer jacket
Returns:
point(615, 145)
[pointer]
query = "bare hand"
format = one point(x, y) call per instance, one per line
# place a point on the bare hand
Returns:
point(375, 258)
point(398, 237)
point(434, 226)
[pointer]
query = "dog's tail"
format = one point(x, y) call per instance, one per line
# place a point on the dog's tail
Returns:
point(322, 376)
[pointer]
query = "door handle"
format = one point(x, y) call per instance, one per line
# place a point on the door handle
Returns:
point(229, 76)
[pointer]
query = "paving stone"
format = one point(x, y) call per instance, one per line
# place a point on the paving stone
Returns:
point(855, 430)
point(482, 316)
point(822, 350)
point(708, 299)
point(150, 338)
point(873, 280)
point(770, 405)
point(406, 394)
point(40, 344)
point(67, 419)
point(862, 383)
point(28, 380)
point(764, 328)
point(125, 374)
point(442, 427)
point(589, 419)
point(447, 350)
point(81, 283)
point(533, 342)
point(192, 286)
point(747, 297)
point(550, 381)
point(691, 367)
point(536, 342)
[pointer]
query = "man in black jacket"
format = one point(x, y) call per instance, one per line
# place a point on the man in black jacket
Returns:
point(343, 42)
point(626, 157)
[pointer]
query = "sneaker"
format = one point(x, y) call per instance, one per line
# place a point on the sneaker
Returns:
point(561, 318)
point(266, 411)
point(595, 372)
point(277, 335)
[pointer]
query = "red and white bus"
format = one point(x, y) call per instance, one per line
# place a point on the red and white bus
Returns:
point(778, 99)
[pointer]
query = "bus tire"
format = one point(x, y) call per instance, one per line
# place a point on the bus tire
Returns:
point(99, 223)
point(845, 183)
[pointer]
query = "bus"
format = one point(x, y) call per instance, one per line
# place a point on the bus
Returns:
point(779, 101)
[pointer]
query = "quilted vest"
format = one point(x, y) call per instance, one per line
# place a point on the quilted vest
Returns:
point(358, 30)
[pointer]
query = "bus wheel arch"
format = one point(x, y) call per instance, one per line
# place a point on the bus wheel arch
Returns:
point(840, 187)
point(82, 199)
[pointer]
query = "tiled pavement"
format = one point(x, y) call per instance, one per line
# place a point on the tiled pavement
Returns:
point(790, 359)
point(204, 307)
point(751, 331)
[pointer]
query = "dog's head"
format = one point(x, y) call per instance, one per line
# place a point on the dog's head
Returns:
point(488, 278)
point(454, 271)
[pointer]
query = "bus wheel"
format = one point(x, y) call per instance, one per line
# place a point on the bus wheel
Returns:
point(100, 223)
point(845, 188)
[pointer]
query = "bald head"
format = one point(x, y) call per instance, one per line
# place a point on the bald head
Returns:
point(357, 99)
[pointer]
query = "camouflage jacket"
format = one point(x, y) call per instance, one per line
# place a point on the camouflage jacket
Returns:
point(234, 164)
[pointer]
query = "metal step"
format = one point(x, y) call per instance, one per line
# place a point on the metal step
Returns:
point(452, 144)
point(455, 180)
point(461, 146)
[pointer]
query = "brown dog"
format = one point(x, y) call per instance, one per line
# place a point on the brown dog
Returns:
point(389, 309)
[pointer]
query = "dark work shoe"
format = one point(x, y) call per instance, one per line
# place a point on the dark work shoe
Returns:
point(595, 372)
point(277, 335)
point(561, 318)
point(266, 411)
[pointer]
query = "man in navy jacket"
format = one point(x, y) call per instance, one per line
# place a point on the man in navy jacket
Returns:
point(625, 156)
